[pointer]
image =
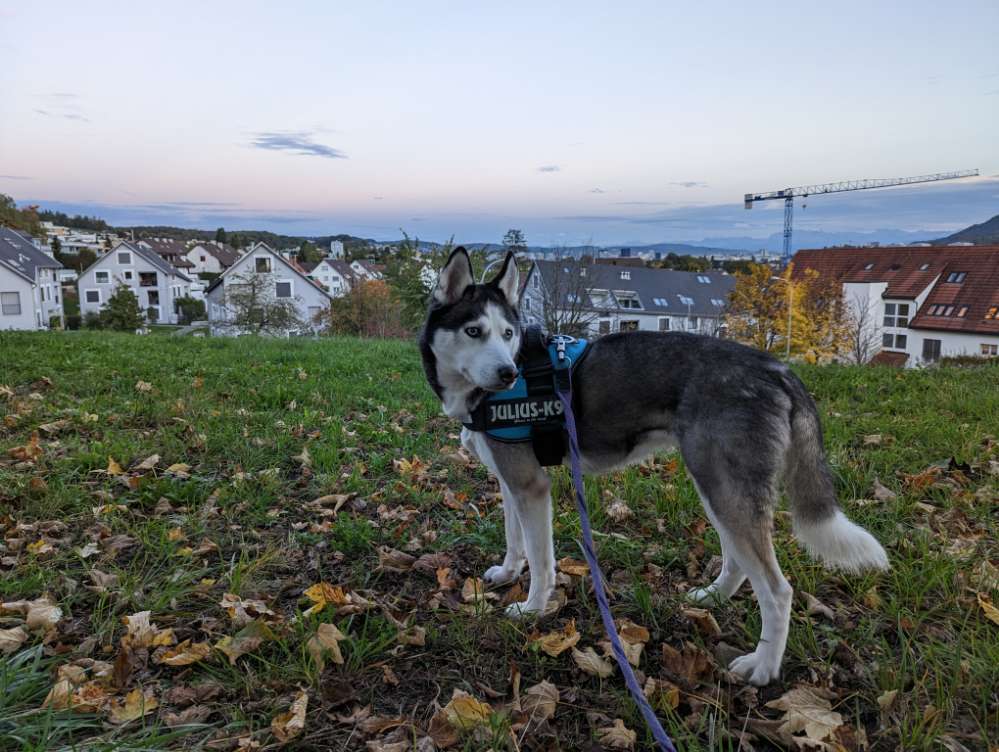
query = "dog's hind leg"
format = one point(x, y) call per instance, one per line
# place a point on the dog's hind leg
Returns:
point(739, 493)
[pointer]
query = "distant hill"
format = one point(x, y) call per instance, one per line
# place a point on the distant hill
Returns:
point(986, 233)
point(245, 237)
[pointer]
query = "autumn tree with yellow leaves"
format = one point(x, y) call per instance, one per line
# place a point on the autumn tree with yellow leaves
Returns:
point(758, 313)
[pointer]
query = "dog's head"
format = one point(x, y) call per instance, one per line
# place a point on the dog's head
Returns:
point(472, 332)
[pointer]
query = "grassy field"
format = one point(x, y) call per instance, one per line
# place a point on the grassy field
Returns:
point(215, 483)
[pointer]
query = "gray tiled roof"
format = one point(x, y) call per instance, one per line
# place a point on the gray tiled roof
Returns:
point(660, 291)
point(19, 253)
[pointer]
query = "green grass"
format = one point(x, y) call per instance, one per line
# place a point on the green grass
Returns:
point(240, 412)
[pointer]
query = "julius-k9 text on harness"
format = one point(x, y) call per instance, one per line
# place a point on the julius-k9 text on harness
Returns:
point(531, 410)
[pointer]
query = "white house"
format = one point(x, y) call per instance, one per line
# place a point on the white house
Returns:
point(336, 249)
point(154, 281)
point(277, 279)
point(606, 298)
point(915, 305)
point(336, 276)
point(211, 257)
point(366, 270)
point(30, 295)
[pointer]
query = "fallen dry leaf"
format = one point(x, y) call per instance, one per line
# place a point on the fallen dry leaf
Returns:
point(815, 607)
point(591, 663)
point(242, 612)
point(113, 467)
point(466, 712)
point(540, 701)
point(704, 620)
point(618, 511)
point(882, 493)
point(887, 699)
point(180, 470)
point(289, 725)
point(558, 641)
point(248, 639)
point(12, 639)
point(617, 736)
point(990, 611)
point(807, 710)
point(574, 567)
point(185, 654)
point(142, 633)
point(661, 694)
point(326, 640)
point(323, 593)
point(149, 463)
point(137, 703)
point(143, 386)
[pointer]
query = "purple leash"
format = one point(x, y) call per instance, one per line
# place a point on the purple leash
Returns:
point(660, 735)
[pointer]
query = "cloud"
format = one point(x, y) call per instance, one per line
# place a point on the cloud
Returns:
point(689, 184)
point(549, 168)
point(295, 142)
point(597, 190)
point(378, 198)
point(642, 203)
point(15, 177)
point(62, 104)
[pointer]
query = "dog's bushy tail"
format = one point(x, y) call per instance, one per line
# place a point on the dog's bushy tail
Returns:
point(819, 523)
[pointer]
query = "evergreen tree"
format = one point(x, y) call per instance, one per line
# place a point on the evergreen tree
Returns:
point(514, 241)
point(220, 235)
point(122, 312)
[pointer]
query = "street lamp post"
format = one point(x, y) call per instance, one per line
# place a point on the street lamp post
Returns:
point(790, 302)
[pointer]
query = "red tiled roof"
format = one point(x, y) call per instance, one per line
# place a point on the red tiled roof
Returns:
point(902, 269)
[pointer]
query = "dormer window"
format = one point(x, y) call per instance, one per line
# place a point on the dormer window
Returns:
point(962, 311)
point(992, 313)
point(626, 274)
point(894, 267)
point(956, 277)
point(703, 279)
point(923, 267)
point(868, 266)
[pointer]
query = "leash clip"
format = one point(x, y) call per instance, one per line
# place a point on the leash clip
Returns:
point(560, 341)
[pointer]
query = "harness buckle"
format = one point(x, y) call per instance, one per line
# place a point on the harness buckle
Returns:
point(561, 341)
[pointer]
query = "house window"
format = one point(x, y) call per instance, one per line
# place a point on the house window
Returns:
point(626, 275)
point(102, 278)
point(262, 265)
point(868, 266)
point(684, 300)
point(283, 290)
point(949, 310)
point(956, 277)
point(894, 267)
point(988, 349)
point(923, 267)
point(992, 313)
point(536, 282)
point(128, 275)
point(154, 297)
point(527, 302)
point(962, 311)
point(604, 326)
point(572, 297)
point(10, 303)
point(692, 323)
point(902, 311)
point(93, 296)
point(147, 279)
point(931, 350)
point(124, 258)
point(664, 324)
point(203, 259)
point(628, 301)
point(628, 326)
point(894, 341)
point(703, 280)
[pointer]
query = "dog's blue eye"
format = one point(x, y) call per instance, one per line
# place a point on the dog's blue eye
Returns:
point(508, 334)
point(473, 331)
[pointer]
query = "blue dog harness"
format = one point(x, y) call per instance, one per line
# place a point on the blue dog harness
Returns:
point(531, 410)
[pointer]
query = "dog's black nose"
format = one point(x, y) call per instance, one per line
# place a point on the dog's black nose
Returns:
point(507, 373)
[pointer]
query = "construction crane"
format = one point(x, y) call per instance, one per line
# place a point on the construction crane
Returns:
point(789, 194)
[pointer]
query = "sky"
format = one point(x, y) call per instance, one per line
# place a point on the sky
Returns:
point(582, 122)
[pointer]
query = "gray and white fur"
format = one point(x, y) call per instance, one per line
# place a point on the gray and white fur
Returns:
point(741, 420)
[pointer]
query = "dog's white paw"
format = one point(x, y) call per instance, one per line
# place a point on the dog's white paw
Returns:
point(757, 668)
point(704, 595)
point(501, 575)
point(523, 610)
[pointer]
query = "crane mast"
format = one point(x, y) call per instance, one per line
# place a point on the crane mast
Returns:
point(789, 194)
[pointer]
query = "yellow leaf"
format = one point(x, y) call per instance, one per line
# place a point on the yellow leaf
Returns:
point(991, 612)
point(465, 712)
point(557, 642)
point(322, 593)
point(248, 639)
point(661, 694)
point(137, 704)
point(574, 567)
point(40, 547)
point(113, 467)
point(289, 725)
point(179, 470)
point(175, 534)
point(185, 654)
point(326, 639)
point(617, 736)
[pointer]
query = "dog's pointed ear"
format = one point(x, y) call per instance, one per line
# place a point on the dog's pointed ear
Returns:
point(455, 277)
point(508, 280)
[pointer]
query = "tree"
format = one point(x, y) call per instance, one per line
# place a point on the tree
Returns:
point(190, 309)
point(122, 312)
point(863, 330)
point(252, 306)
point(565, 296)
point(758, 313)
point(308, 253)
point(411, 275)
point(56, 247)
point(25, 220)
point(514, 241)
point(220, 235)
point(370, 309)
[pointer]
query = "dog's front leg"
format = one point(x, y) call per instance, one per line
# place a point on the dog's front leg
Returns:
point(513, 562)
point(534, 511)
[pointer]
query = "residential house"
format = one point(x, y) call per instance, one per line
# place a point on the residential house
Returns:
point(155, 283)
point(335, 275)
point(604, 298)
point(277, 279)
point(917, 304)
point(211, 257)
point(364, 269)
point(30, 295)
point(174, 252)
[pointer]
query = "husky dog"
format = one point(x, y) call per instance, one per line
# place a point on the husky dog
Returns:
point(741, 419)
